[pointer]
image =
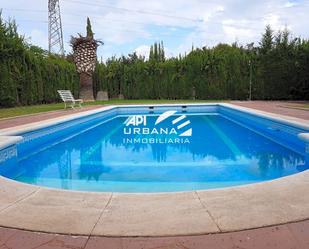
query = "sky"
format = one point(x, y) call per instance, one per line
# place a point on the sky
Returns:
point(126, 26)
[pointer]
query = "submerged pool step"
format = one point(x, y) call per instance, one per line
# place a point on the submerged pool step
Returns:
point(173, 172)
point(130, 186)
point(227, 163)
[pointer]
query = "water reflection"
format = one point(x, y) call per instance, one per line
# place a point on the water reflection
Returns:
point(219, 150)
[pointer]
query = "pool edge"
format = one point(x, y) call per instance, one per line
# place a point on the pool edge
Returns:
point(212, 211)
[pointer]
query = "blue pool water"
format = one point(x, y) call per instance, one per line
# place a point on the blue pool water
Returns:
point(105, 155)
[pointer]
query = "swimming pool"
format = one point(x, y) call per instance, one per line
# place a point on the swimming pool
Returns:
point(156, 149)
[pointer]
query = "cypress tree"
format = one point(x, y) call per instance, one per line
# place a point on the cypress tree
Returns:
point(90, 34)
point(155, 52)
point(162, 52)
point(266, 43)
point(151, 53)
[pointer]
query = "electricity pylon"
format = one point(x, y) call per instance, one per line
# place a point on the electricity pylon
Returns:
point(55, 35)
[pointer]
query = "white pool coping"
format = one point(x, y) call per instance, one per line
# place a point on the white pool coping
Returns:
point(297, 122)
point(6, 141)
point(36, 208)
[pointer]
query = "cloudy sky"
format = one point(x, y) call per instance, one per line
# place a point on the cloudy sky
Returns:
point(133, 25)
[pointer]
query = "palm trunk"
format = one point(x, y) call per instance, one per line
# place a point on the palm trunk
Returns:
point(86, 87)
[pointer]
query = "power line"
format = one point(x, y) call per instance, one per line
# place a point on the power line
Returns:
point(135, 10)
point(129, 31)
point(111, 29)
point(142, 23)
point(24, 10)
point(74, 14)
point(134, 31)
point(147, 12)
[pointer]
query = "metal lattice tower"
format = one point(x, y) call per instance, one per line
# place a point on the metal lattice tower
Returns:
point(55, 35)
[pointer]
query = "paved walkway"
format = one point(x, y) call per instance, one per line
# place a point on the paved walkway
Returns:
point(292, 109)
point(287, 236)
point(11, 122)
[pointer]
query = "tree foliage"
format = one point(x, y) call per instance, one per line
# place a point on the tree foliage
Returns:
point(157, 53)
point(90, 33)
point(28, 75)
point(279, 67)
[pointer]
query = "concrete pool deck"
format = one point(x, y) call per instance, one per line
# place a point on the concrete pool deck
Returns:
point(271, 203)
point(230, 215)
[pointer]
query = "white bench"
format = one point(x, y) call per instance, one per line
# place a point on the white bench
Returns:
point(68, 98)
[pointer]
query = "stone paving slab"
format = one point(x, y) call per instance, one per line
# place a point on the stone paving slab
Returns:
point(258, 205)
point(155, 215)
point(56, 211)
point(9, 194)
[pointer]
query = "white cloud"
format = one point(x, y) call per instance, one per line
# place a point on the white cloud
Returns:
point(290, 4)
point(143, 50)
point(273, 20)
point(127, 24)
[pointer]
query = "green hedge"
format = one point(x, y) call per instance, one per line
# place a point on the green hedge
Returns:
point(28, 75)
point(280, 71)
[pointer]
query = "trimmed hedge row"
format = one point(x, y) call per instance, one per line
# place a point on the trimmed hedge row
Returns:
point(279, 66)
point(279, 70)
point(28, 75)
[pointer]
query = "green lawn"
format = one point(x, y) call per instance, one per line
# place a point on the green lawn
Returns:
point(26, 110)
point(302, 106)
point(306, 106)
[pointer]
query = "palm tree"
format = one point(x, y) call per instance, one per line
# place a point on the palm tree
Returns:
point(85, 58)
